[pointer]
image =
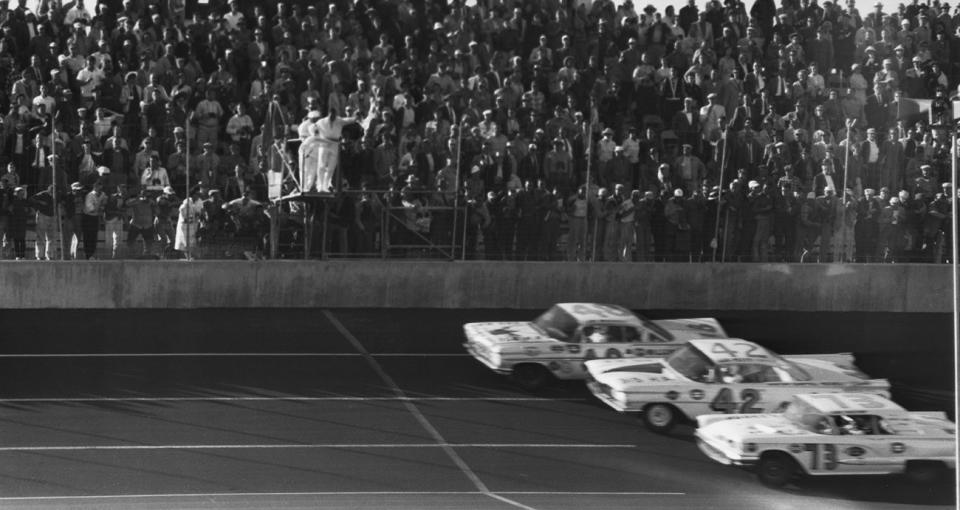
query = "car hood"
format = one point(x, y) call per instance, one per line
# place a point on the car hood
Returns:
point(746, 427)
point(503, 333)
point(621, 374)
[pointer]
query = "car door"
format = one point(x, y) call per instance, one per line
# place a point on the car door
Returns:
point(592, 341)
point(603, 340)
point(750, 392)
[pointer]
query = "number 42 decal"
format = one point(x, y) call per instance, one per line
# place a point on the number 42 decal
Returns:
point(724, 402)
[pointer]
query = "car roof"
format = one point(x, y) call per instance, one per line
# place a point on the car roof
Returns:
point(845, 403)
point(733, 350)
point(590, 312)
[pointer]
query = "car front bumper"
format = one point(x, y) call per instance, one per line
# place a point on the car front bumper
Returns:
point(723, 455)
point(482, 355)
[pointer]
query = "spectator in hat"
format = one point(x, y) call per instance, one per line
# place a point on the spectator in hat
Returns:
point(19, 209)
point(93, 207)
point(188, 221)
point(167, 205)
point(143, 215)
point(207, 166)
point(154, 177)
point(710, 117)
point(606, 146)
point(844, 237)
point(240, 128)
point(808, 228)
point(866, 228)
point(113, 219)
point(891, 222)
point(208, 114)
point(686, 123)
point(44, 203)
point(558, 167)
point(616, 170)
point(691, 170)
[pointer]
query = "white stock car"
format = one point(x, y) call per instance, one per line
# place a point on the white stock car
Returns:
point(556, 343)
point(833, 434)
point(710, 376)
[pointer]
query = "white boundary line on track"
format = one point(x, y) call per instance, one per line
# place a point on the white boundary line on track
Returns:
point(237, 355)
point(336, 493)
point(345, 446)
point(29, 400)
point(415, 411)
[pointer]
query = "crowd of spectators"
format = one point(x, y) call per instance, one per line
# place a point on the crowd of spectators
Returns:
point(791, 133)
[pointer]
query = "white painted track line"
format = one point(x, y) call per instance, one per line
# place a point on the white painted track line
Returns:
point(29, 400)
point(415, 411)
point(308, 446)
point(329, 493)
point(236, 355)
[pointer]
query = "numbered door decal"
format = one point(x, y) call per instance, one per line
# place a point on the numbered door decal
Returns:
point(723, 402)
point(824, 456)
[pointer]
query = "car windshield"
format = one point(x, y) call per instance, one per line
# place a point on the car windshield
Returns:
point(789, 371)
point(557, 323)
point(807, 418)
point(690, 363)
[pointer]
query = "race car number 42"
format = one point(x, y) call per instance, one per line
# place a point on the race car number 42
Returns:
point(724, 403)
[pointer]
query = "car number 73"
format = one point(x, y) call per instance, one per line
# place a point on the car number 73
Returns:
point(829, 457)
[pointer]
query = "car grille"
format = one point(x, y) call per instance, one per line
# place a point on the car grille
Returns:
point(605, 389)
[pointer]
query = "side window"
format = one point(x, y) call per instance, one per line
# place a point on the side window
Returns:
point(582, 335)
point(760, 374)
point(602, 334)
point(616, 334)
point(630, 334)
point(655, 338)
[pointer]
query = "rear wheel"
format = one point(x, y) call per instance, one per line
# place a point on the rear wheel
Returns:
point(775, 470)
point(925, 473)
point(660, 418)
point(532, 377)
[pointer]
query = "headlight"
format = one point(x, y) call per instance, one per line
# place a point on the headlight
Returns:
point(750, 447)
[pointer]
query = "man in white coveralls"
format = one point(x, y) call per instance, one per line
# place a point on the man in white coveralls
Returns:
point(320, 152)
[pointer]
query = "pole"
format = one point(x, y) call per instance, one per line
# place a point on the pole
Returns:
point(186, 159)
point(588, 135)
point(56, 205)
point(953, 258)
point(456, 194)
point(843, 196)
point(466, 221)
point(716, 228)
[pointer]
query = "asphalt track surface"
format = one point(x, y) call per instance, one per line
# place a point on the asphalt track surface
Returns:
point(376, 409)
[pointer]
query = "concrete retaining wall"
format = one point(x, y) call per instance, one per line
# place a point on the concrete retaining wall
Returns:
point(438, 284)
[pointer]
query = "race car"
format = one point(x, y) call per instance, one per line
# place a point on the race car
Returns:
point(708, 376)
point(833, 434)
point(555, 344)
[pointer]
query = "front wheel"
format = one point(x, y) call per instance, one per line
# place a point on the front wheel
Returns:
point(776, 470)
point(660, 418)
point(531, 377)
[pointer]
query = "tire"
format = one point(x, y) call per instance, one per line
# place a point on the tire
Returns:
point(532, 377)
point(925, 473)
point(660, 418)
point(776, 470)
